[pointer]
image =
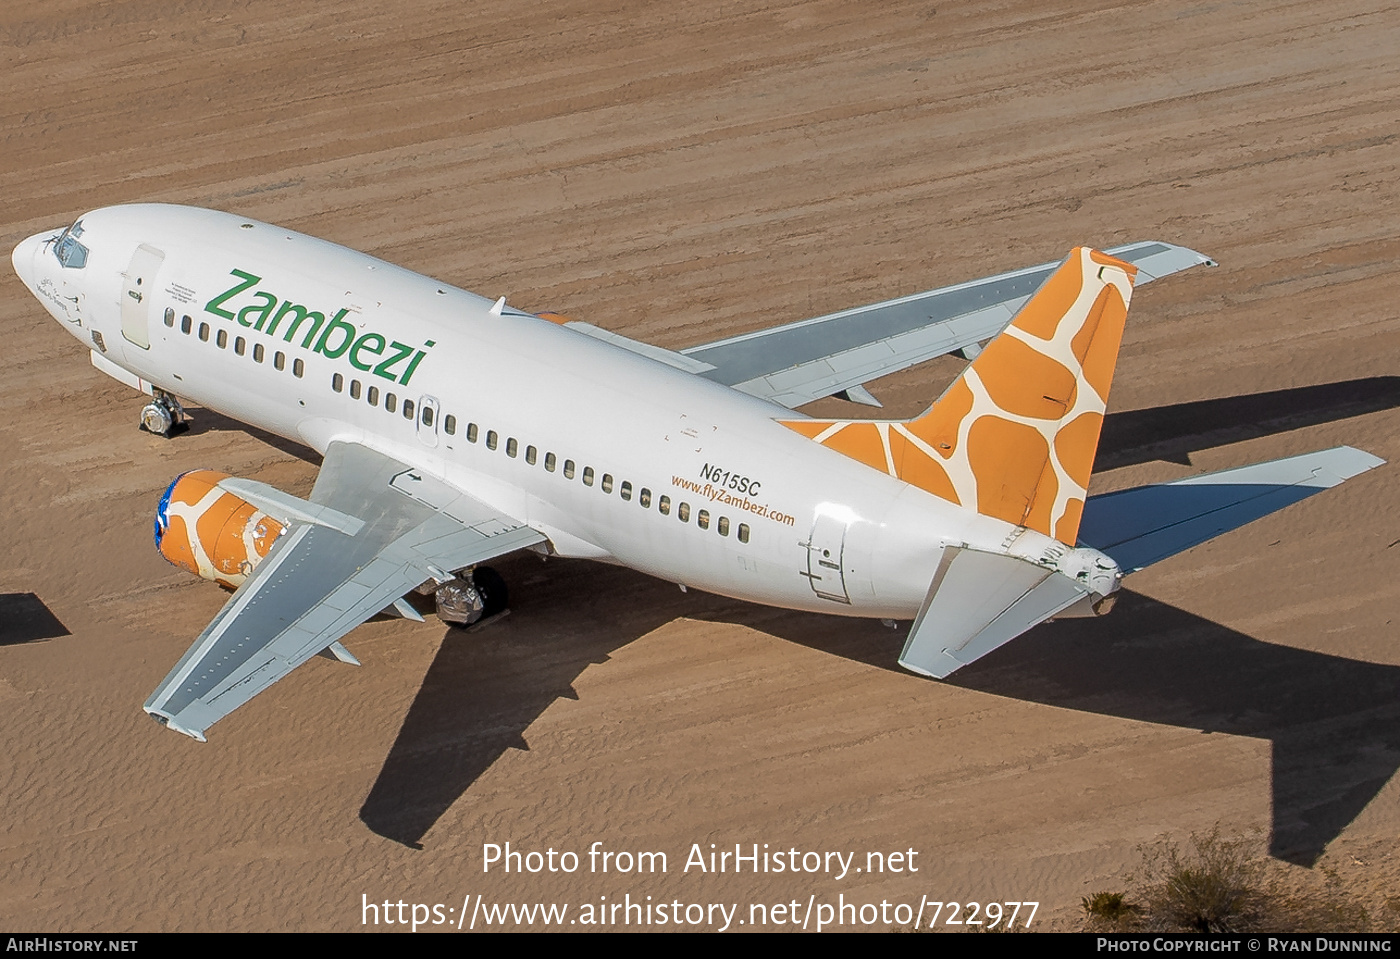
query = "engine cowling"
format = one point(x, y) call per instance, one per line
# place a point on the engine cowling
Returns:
point(211, 532)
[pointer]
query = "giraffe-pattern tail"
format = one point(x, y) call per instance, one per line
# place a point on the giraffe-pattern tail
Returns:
point(1014, 437)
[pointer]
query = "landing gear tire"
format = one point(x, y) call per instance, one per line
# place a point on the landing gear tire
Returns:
point(163, 416)
point(493, 590)
point(472, 597)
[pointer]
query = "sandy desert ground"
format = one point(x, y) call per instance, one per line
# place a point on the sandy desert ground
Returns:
point(679, 172)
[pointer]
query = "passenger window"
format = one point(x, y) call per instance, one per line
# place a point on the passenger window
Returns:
point(588, 476)
point(298, 368)
point(258, 352)
point(512, 447)
point(279, 360)
point(337, 382)
point(391, 402)
point(626, 491)
point(664, 505)
point(204, 332)
point(373, 396)
point(449, 425)
point(607, 483)
point(723, 526)
point(170, 318)
point(549, 462)
point(568, 469)
point(354, 389)
point(530, 454)
point(491, 439)
point(427, 416)
point(471, 432)
point(743, 532)
point(240, 345)
point(644, 498)
point(186, 324)
point(683, 512)
point(702, 519)
point(221, 338)
point(408, 409)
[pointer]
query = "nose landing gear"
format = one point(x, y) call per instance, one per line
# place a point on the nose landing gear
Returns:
point(164, 415)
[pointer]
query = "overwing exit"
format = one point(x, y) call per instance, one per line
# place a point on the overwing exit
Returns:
point(456, 429)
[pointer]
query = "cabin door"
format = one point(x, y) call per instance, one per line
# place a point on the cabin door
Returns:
point(138, 290)
point(824, 553)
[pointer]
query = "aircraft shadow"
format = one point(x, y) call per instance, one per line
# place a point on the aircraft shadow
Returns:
point(203, 420)
point(1333, 723)
point(485, 687)
point(1172, 433)
point(25, 619)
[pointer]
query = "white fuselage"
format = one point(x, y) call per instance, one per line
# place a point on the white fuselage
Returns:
point(820, 531)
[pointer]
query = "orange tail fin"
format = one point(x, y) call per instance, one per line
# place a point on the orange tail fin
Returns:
point(1014, 437)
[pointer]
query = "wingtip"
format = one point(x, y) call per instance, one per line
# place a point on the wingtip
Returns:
point(1156, 259)
point(196, 734)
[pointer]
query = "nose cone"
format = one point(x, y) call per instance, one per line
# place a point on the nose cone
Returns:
point(23, 258)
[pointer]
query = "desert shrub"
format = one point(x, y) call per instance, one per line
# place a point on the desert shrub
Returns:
point(1109, 912)
point(1219, 885)
point(1214, 885)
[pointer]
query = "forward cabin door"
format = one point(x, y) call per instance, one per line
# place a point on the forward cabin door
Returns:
point(138, 289)
point(825, 549)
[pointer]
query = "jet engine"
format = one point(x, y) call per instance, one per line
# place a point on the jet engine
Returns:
point(210, 532)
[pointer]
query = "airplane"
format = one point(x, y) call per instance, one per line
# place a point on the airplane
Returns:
point(455, 430)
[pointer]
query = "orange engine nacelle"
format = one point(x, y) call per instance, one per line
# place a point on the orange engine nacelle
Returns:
point(212, 533)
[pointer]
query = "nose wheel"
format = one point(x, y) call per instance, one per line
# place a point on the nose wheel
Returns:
point(164, 415)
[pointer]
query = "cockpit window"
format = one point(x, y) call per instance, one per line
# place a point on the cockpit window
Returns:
point(69, 251)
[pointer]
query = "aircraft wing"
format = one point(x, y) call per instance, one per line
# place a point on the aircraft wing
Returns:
point(805, 361)
point(373, 530)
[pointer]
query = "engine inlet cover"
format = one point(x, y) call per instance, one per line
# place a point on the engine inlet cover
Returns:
point(210, 532)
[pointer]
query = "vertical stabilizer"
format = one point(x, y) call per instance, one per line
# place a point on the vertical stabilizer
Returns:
point(1014, 437)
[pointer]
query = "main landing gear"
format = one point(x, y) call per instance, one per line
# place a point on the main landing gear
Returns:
point(164, 415)
point(472, 596)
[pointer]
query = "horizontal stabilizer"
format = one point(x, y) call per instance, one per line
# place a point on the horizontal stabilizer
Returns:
point(1142, 526)
point(979, 601)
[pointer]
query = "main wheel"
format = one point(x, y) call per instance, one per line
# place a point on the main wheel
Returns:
point(493, 591)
